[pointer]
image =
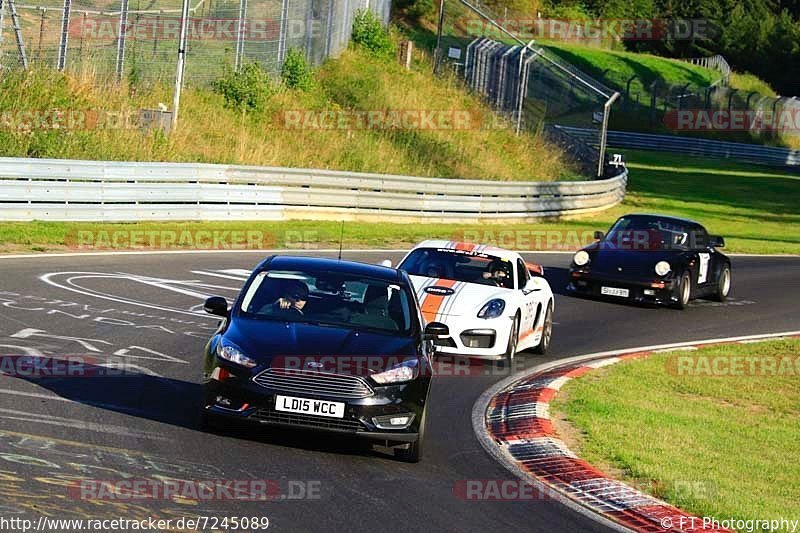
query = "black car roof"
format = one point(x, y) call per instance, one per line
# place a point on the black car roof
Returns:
point(665, 217)
point(290, 262)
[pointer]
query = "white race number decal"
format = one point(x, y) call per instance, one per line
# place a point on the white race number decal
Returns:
point(703, 273)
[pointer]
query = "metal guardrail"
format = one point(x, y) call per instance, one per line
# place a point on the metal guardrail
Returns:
point(750, 153)
point(49, 189)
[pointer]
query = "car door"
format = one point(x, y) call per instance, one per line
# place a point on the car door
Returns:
point(528, 307)
point(707, 260)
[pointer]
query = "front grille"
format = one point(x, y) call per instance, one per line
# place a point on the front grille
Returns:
point(317, 383)
point(309, 421)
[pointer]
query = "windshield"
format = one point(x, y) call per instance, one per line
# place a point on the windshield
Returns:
point(328, 298)
point(460, 265)
point(647, 233)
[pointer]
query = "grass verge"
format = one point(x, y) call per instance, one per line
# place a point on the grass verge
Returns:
point(721, 446)
point(754, 208)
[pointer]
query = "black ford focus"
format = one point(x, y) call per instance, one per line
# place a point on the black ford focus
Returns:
point(325, 345)
point(653, 259)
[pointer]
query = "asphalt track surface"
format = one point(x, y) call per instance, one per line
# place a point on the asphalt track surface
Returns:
point(55, 432)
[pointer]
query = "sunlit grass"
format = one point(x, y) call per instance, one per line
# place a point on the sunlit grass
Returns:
point(717, 446)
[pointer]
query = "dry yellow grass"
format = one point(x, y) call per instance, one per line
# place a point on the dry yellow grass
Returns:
point(210, 132)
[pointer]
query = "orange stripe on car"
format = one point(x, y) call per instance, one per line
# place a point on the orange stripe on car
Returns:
point(433, 302)
point(531, 332)
point(465, 246)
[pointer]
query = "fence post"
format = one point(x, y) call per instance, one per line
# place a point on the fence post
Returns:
point(176, 97)
point(604, 133)
point(519, 89)
point(308, 37)
point(653, 103)
point(438, 51)
point(2, 12)
point(41, 33)
point(123, 29)
point(283, 30)
point(240, 29)
point(23, 56)
point(329, 28)
point(628, 90)
point(730, 99)
point(62, 46)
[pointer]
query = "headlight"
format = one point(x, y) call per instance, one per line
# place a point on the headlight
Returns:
point(403, 372)
point(230, 352)
point(581, 258)
point(492, 309)
point(662, 268)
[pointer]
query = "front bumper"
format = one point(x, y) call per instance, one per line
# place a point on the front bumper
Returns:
point(247, 401)
point(653, 291)
point(476, 337)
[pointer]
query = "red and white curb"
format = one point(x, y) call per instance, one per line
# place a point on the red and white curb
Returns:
point(512, 422)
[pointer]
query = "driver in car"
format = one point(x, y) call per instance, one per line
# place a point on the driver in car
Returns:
point(295, 297)
point(497, 273)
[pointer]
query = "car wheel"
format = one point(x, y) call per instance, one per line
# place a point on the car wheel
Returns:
point(413, 453)
point(547, 331)
point(723, 285)
point(684, 291)
point(511, 347)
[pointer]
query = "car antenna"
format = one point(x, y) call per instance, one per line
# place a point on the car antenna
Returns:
point(341, 239)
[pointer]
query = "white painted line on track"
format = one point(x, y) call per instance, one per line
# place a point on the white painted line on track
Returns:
point(26, 416)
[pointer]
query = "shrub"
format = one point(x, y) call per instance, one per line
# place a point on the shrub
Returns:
point(296, 72)
point(247, 89)
point(369, 33)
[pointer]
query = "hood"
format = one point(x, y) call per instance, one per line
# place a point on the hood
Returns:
point(273, 341)
point(632, 262)
point(447, 298)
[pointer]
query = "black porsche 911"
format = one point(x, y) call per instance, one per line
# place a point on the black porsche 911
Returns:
point(652, 259)
point(325, 345)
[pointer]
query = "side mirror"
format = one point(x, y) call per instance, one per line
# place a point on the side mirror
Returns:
point(216, 305)
point(598, 235)
point(716, 241)
point(386, 263)
point(435, 330)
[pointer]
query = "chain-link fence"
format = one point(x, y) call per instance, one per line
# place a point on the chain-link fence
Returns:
point(524, 80)
point(138, 39)
point(655, 106)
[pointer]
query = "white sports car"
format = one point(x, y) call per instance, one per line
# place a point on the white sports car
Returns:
point(493, 302)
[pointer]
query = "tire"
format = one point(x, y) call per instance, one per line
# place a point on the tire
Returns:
point(413, 453)
point(547, 331)
point(723, 285)
point(511, 347)
point(684, 291)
